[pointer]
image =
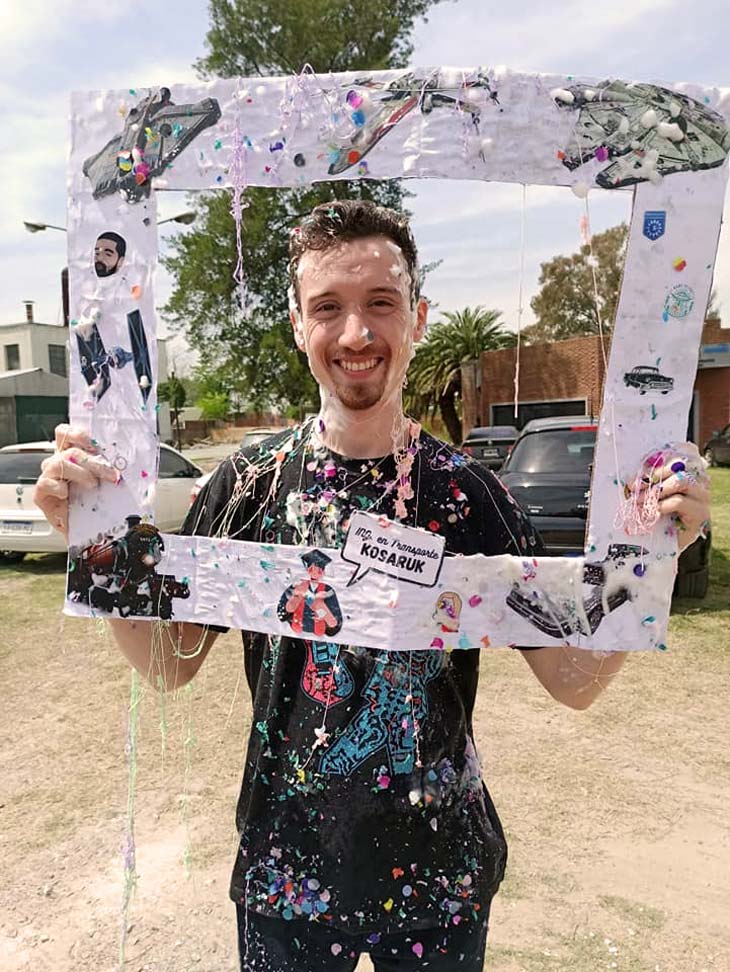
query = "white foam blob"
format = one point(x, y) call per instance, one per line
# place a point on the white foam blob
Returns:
point(670, 130)
point(562, 95)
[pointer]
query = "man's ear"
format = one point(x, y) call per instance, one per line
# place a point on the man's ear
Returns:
point(296, 323)
point(421, 314)
point(120, 264)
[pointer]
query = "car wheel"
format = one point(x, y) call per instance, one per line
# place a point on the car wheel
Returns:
point(11, 556)
point(709, 457)
point(692, 585)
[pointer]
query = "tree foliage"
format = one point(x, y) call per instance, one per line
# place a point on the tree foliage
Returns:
point(255, 356)
point(173, 392)
point(264, 37)
point(565, 307)
point(434, 377)
point(214, 405)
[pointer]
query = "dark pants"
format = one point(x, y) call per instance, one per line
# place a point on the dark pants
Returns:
point(276, 945)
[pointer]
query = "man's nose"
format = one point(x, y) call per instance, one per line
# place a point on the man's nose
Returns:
point(355, 334)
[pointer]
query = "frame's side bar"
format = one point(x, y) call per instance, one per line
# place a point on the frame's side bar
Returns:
point(648, 386)
point(112, 257)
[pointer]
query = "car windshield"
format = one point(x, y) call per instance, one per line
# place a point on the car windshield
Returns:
point(21, 467)
point(554, 450)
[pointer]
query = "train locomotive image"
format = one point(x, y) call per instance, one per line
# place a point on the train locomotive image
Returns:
point(119, 574)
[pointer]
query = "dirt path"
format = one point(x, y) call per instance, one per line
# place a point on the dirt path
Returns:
point(617, 817)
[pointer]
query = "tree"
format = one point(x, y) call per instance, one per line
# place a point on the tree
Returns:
point(173, 392)
point(565, 307)
point(434, 377)
point(214, 405)
point(265, 37)
point(255, 355)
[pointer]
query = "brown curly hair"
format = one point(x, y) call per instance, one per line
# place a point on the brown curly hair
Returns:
point(343, 220)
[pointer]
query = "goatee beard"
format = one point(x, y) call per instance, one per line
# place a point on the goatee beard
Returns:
point(359, 399)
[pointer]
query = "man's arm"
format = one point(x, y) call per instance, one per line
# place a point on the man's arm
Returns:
point(168, 655)
point(574, 676)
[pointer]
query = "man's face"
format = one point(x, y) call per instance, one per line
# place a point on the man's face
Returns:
point(315, 572)
point(106, 258)
point(357, 324)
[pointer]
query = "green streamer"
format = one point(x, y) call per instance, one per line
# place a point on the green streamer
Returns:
point(129, 849)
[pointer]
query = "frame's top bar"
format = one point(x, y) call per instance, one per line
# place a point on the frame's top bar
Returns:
point(471, 123)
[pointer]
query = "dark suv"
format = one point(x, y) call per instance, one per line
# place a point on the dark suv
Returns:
point(490, 444)
point(549, 474)
point(717, 450)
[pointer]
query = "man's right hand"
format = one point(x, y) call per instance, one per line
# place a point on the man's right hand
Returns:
point(76, 460)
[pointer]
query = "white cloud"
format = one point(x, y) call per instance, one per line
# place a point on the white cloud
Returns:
point(472, 33)
point(39, 26)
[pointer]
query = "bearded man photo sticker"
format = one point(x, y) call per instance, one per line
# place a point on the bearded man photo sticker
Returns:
point(109, 252)
point(311, 606)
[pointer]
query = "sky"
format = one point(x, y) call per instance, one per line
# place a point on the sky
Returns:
point(48, 50)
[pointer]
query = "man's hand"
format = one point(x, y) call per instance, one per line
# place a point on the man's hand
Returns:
point(76, 460)
point(685, 492)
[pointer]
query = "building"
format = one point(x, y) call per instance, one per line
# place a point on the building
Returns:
point(34, 380)
point(711, 404)
point(566, 378)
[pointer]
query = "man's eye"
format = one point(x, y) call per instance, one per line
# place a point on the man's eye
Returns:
point(325, 308)
point(382, 303)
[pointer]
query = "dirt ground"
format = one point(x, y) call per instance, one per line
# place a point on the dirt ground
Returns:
point(617, 817)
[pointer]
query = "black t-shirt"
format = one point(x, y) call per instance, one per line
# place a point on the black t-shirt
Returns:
point(362, 802)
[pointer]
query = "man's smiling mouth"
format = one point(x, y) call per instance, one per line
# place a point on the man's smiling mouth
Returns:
point(364, 364)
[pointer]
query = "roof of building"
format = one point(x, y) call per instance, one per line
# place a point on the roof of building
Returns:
point(18, 373)
point(61, 327)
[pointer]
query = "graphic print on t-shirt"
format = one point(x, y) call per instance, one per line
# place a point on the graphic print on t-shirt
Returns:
point(326, 678)
point(395, 705)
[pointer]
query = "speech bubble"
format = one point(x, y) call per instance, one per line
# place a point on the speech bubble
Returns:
point(406, 553)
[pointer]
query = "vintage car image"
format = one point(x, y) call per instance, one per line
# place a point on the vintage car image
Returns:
point(647, 378)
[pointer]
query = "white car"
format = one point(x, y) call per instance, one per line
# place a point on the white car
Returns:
point(252, 437)
point(24, 529)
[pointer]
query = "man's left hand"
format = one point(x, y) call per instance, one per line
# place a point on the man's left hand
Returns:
point(685, 492)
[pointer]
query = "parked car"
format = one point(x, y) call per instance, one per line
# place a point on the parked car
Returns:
point(490, 444)
point(24, 529)
point(549, 474)
point(251, 438)
point(648, 378)
point(717, 450)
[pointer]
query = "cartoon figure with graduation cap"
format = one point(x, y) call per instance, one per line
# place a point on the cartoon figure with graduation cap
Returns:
point(311, 606)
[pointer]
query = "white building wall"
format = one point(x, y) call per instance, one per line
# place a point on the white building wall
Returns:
point(21, 335)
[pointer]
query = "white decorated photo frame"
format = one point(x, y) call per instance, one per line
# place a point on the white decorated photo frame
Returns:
point(668, 143)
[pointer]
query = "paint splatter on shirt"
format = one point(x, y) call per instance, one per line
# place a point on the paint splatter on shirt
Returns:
point(362, 803)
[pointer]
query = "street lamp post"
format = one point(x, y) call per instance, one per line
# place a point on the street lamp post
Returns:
point(39, 227)
point(185, 218)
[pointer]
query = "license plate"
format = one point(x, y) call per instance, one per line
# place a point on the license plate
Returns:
point(16, 526)
point(490, 453)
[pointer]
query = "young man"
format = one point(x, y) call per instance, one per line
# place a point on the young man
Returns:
point(364, 822)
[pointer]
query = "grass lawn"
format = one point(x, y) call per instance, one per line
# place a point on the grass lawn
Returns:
point(714, 610)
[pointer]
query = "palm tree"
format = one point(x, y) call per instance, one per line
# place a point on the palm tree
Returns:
point(434, 377)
